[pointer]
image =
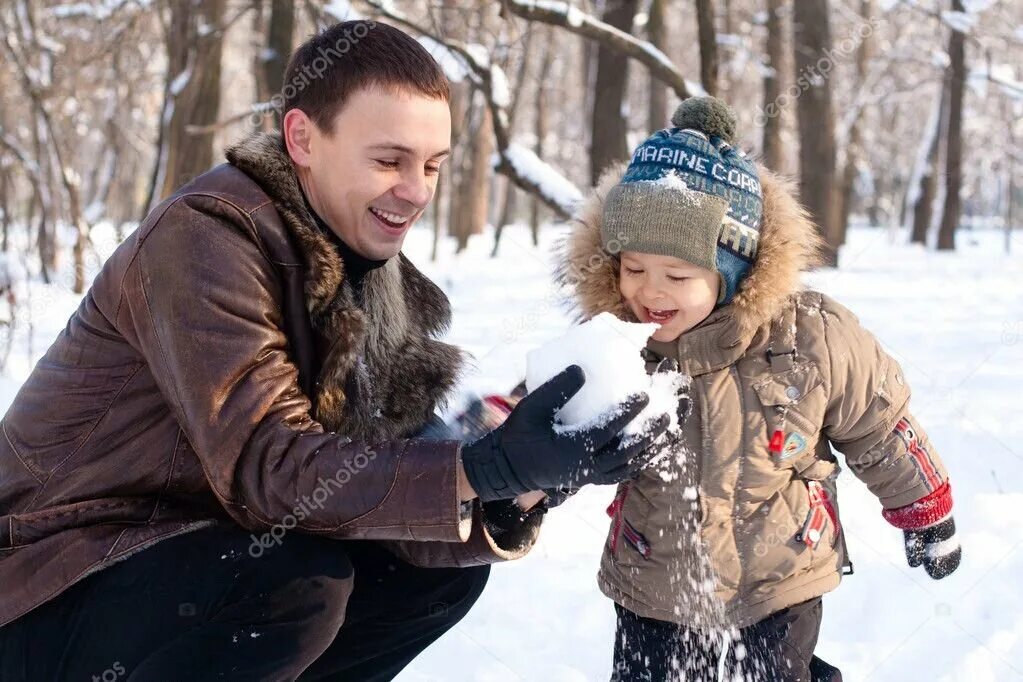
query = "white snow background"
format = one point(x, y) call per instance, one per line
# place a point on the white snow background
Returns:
point(954, 321)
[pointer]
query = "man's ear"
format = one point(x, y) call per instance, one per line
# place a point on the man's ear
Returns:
point(298, 133)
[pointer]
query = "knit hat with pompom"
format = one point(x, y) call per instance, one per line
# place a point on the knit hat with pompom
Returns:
point(690, 193)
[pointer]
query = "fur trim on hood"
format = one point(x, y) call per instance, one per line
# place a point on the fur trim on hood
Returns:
point(789, 245)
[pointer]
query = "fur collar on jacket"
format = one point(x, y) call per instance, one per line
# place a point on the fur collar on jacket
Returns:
point(789, 244)
point(383, 370)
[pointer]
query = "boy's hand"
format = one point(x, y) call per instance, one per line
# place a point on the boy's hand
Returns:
point(526, 453)
point(936, 547)
point(930, 532)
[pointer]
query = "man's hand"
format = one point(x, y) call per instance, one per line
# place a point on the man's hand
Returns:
point(526, 454)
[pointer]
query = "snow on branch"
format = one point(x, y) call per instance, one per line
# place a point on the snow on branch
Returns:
point(569, 17)
point(97, 11)
point(13, 146)
point(518, 164)
point(535, 172)
point(961, 22)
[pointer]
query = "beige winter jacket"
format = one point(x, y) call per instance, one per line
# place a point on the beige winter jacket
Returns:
point(743, 521)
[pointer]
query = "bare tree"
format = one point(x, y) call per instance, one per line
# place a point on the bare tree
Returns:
point(705, 15)
point(954, 143)
point(508, 205)
point(194, 40)
point(279, 37)
point(854, 139)
point(657, 105)
point(541, 125)
point(926, 185)
point(608, 125)
point(774, 48)
point(34, 56)
point(470, 213)
point(817, 175)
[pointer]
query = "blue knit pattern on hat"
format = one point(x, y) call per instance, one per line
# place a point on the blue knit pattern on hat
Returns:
point(707, 163)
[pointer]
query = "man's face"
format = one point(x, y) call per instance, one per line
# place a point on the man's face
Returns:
point(373, 175)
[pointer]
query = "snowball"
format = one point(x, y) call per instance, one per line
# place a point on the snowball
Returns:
point(608, 350)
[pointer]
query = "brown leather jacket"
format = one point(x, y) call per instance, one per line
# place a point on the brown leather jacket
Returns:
point(221, 368)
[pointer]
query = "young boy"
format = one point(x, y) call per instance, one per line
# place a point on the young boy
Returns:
point(718, 563)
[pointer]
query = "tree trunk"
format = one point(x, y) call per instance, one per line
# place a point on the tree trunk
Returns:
point(509, 204)
point(46, 240)
point(540, 130)
point(6, 203)
point(447, 214)
point(474, 189)
point(923, 207)
point(817, 181)
point(278, 48)
point(773, 84)
point(191, 94)
point(1010, 215)
point(1010, 200)
point(954, 145)
point(853, 152)
point(260, 120)
point(657, 105)
point(708, 46)
point(608, 144)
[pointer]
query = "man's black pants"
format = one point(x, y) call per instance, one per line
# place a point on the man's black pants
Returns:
point(776, 649)
point(201, 607)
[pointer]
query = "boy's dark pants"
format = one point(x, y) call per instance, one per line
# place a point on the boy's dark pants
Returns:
point(201, 607)
point(777, 649)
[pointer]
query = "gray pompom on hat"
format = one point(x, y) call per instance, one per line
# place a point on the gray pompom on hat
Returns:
point(689, 193)
point(709, 115)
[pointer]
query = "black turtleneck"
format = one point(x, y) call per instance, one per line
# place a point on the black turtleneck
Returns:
point(356, 265)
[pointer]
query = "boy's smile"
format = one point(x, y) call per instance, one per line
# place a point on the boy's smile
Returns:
point(659, 316)
point(667, 291)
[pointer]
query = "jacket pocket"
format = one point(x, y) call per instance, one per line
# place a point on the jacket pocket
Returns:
point(793, 403)
point(821, 525)
point(797, 532)
point(626, 540)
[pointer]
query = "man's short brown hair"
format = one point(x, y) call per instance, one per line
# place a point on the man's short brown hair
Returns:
point(326, 69)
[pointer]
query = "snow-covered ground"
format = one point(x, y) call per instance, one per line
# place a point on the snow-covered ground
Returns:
point(955, 322)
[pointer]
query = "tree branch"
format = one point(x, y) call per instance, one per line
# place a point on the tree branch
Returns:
point(577, 21)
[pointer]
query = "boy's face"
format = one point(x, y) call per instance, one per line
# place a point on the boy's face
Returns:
point(668, 291)
point(375, 172)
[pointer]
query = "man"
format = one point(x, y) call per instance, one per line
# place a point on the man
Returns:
point(211, 475)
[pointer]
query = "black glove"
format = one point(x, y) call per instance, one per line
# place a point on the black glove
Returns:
point(936, 547)
point(503, 516)
point(525, 453)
